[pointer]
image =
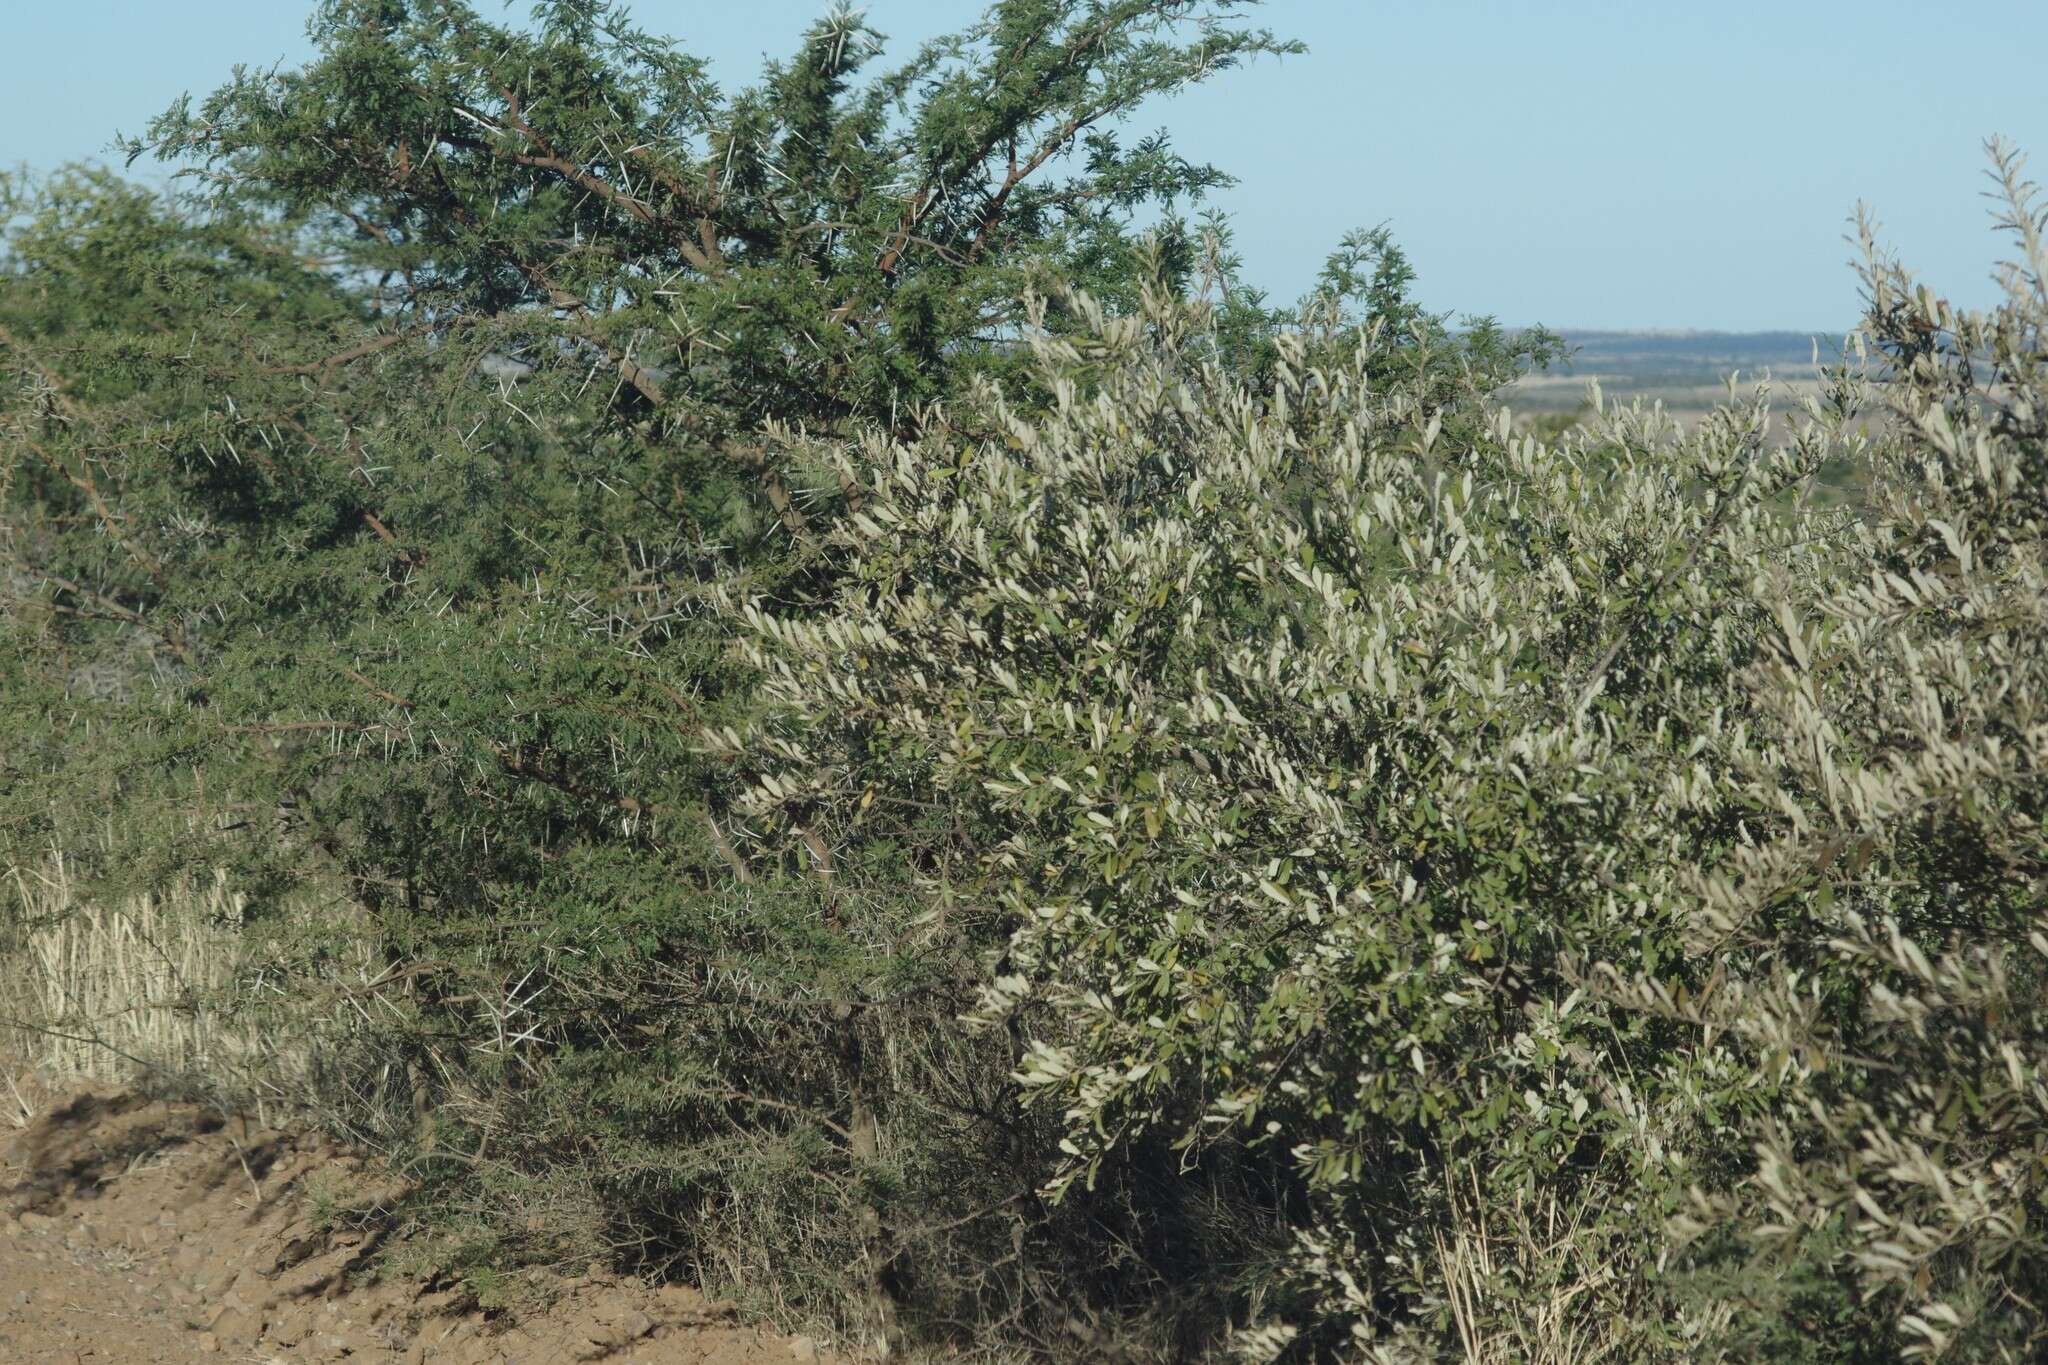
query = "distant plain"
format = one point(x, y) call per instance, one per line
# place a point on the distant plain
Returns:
point(1688, 372)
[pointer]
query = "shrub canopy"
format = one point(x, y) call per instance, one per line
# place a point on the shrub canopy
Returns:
point(878, 726)
point(1605, 877)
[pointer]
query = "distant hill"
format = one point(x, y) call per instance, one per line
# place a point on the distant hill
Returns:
point(1683, 369)
point(1674, 357)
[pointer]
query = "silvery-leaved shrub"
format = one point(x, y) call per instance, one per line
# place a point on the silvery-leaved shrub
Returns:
point(1600, 880)
point(1876, 942)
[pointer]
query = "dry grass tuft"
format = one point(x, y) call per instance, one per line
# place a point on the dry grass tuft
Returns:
point(163, 989)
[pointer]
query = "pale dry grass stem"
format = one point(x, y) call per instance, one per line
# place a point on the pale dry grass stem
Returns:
point(107, 988)
point(1540, 1250)
point(162, 988)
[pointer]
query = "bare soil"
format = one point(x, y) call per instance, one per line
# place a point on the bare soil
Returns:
point(139, 1232)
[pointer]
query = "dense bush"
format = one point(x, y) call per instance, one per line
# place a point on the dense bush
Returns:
point(1600, 893)
point(784, 631)
point(363, 510)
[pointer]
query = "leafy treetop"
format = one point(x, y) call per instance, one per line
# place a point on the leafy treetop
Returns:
point(817, 248)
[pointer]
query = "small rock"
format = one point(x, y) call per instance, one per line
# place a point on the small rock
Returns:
point(237, 1326)
point(803, 1348)
point(250, 1290)
point(290, 1328)
point(209, 1343)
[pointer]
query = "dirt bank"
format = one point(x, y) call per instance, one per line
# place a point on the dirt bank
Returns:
point(135, 1231)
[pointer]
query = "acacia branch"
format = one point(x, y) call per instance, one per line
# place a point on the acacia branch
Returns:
point(545, 157)
point(380, 693)
point(1018, 174)
point(707, 225)
point(59, 388)
point(647, 386)
point(357, 352)
point(85, 484)
point(518, 765)
point(175, 640)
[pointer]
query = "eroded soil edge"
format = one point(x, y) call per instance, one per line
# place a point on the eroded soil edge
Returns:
point(133, 1230)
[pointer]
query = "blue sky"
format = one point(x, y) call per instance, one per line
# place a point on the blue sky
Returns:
point(1581, 163)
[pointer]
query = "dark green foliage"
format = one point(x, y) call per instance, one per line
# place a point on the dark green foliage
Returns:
point(781, 624)
point(380, 485)
point(817, 249)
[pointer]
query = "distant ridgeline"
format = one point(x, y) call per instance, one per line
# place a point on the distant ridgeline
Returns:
point(1685, 369)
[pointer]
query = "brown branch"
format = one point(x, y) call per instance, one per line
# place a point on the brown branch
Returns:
point(132, 617)
point(512, 762)
point(380, 693)
point(647, 386)
point(365, 225)
point(384, 534)
point(547, 158)
point(914, 209)
point(288, 727)
point(59, 388)
point(357, 352)
point(907, 223)
point(1076, 49)
point(84, 483)
point(726, 850)
point(1019, 174)
point(707, 226)
point(786, 510)
point(762, 1101)
point(820, 851)
point(937, 248)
